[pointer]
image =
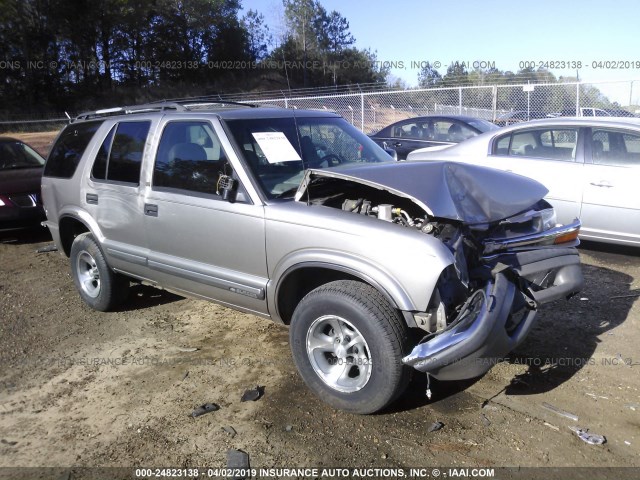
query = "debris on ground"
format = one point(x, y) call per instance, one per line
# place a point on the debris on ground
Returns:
point(590, 438)
point(562, 413)
point(435, 426)
point(203, 409)
point(230, 430)
point(238, 461)
point(632, 406)
point(188, 349)
point(633, 295)
point(490, 407)
point(626, 442)
point(584, 299)
point(8, 442)
point(557, 429)
point(47, 248)
point(288, 428)
point(593, 395)
point(485, 420)
point(186, 374)
point(253, 394)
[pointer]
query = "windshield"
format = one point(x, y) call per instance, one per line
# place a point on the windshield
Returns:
point(278, 150)
point(483, 125)
point(15, 154)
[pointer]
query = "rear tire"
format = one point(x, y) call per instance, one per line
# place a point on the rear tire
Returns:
point(347, 343)
point(99, 286)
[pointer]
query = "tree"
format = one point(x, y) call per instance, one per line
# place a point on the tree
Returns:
point(457, 75)
point(429, 76)
point(304, 18)
point(333, 32)
point(259, 37)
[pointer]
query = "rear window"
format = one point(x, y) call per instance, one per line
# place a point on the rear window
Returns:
point(68, 150)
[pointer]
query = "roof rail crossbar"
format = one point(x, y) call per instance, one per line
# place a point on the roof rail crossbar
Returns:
point(200, 102)
point(128, 110)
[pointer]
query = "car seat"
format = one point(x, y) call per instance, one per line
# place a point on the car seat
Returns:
point(597, 149)
point(187, 152)
point(309, 152)
point(455, 133)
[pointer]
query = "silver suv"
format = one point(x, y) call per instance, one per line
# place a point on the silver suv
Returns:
point(378, 267)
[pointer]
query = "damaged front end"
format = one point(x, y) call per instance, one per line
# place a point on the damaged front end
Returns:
point(512, 267)
point(509, 255)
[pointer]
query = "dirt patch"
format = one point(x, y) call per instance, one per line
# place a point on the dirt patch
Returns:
point(84, 388)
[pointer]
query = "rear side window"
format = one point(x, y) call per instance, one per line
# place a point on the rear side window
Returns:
point(610, 147)
point(548, 144)
point(120, 155)
point(68, 150)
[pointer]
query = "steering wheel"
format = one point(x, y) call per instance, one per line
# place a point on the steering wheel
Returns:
point(332, 159)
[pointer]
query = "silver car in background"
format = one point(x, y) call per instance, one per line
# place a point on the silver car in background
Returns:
point(590, 166)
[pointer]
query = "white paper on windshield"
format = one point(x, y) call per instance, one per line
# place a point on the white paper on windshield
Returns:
point(276, 147)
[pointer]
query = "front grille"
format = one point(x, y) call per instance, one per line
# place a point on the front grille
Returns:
point(25, 200)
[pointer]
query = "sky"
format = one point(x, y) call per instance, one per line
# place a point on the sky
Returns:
point(499, 32)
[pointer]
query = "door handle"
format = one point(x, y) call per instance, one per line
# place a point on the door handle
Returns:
point(151, 210)
point(397, 144)
point(92, 198)
point(602, 183)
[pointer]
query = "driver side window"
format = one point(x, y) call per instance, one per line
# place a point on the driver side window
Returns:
point(190, 157)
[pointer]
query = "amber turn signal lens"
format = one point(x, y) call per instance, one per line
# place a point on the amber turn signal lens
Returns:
point(567, 237)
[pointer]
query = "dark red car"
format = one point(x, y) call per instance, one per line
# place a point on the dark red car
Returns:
point(20, 176)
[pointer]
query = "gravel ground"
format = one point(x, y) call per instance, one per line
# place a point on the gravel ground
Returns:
point(84, 388)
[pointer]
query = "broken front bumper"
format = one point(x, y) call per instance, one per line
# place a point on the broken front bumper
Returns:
point(495, 320)
point(480, 337)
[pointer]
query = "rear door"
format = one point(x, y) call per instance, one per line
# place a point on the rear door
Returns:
point(611, 204)
point(113, 194)
point(200, 242)
point(553, 156)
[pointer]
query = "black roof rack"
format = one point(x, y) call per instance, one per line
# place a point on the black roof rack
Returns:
point(209, 101)
point(180, 105)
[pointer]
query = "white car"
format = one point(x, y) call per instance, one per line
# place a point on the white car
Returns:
point(590, 166)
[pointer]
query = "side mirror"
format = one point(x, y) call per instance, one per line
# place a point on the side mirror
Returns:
point(391, 151)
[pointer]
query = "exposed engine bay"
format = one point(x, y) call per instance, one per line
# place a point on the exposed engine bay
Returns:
point(472, 266)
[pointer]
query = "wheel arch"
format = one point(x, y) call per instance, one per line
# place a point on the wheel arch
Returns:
point(300, 279)
point(73, 223)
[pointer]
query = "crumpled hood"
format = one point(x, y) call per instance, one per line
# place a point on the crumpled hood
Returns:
point(469, 193)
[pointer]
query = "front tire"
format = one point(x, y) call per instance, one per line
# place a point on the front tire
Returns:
point(347, 343)
point(99, 287)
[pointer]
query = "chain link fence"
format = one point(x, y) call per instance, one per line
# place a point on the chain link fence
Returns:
point(370, 108)
point(503, 104)
point(33, 122)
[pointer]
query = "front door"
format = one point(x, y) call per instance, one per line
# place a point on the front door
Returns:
point(199, 242)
